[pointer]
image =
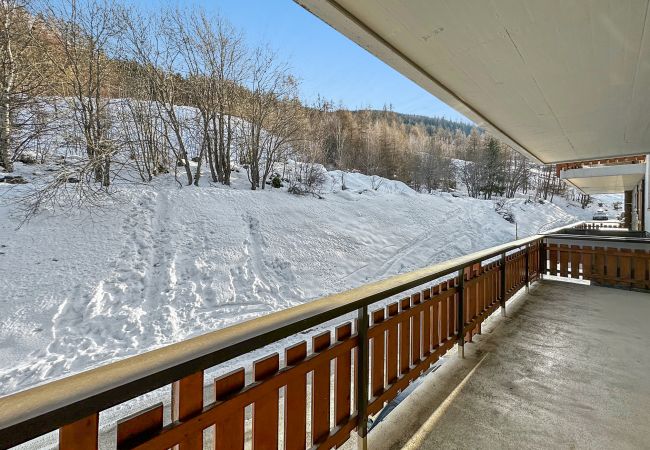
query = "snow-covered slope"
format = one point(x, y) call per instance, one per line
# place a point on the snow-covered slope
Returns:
point(163, 263)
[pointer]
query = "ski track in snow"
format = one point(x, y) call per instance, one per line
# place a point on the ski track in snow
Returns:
point(173, 263)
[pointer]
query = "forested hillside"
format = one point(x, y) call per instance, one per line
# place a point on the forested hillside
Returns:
point(116, 95)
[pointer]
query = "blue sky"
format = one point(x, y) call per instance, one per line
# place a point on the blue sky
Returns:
point(326, 62)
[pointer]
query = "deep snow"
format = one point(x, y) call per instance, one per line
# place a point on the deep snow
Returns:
point(163, 263)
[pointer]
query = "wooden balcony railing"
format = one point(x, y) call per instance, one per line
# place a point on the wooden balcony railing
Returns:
point(638, 159)
point(311, 394)
point(600, 225)
point(605, 261)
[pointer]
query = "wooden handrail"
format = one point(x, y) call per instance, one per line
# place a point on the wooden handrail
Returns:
point(42, 409)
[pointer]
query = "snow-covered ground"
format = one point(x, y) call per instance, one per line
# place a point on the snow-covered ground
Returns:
point(164, 263)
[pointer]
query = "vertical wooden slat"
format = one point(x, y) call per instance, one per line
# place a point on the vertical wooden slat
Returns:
point(265, 408)
point(490, 286)
point(320, 391)
point(599, 265)
point(640, 269)
point(471, 300)
point(611, 266)
point(342, 400)
point(452, 310)
point(494, 284)
point(497, 283)
point(647, 271)
point(506, 287)
point(522, 265)
point(467, 301)
point(187, 401)
point(647, 274)
point(444, 315)
point(295, 399)
point(499, 288)
point(587, 257)
point(405, 336)
point(482, 287)
point(229, 428)
point(552, 257)
point(377, 368)
point(575, 261)
point(532, 261)
point(480, 298)
point(426, 322)
point(80, 435)
point(416, 326)
point(391, 349)
point(564, 260)
point(625, 265)
point(435, 318)
point(138, 427)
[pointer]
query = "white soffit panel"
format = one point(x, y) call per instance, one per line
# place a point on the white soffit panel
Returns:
point(616, 184)
point(558, 80)
point(604, 171)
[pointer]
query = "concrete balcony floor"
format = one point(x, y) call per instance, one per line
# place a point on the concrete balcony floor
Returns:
point(568, 368)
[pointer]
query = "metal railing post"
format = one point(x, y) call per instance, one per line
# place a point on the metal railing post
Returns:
point(502, 300)
point(460, 318)
point(362, 378)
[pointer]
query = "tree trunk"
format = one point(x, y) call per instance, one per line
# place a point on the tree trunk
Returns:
point(5, 133)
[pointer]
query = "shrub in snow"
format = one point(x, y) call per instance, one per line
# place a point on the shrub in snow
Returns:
point(503, 209)
point(306, 178)
point(13, 179)
point(27, 158)
point(276, 182)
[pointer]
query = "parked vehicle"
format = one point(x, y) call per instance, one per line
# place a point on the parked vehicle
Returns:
point(600, 215)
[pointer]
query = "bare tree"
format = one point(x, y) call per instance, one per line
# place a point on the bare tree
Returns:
point(22, 79)
point(215, 57)
point(518, 172)
point(86, 35)
point(269, 110)
point(154, 43)
point(142, 137)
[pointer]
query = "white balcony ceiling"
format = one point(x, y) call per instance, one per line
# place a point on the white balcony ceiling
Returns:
point(559, 80)
point(605, 179)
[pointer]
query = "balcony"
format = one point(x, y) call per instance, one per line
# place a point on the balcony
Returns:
point(556, 359)
point(564, 370)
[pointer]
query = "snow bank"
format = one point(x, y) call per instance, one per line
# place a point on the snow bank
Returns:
point(163, 264)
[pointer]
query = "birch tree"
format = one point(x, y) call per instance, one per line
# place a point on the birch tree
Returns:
point(22, 79)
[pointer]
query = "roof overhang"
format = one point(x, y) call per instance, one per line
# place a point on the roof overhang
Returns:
point(556, 80)
point(605, 179)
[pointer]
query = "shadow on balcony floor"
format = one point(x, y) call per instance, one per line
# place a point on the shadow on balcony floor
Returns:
point(568, 368)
